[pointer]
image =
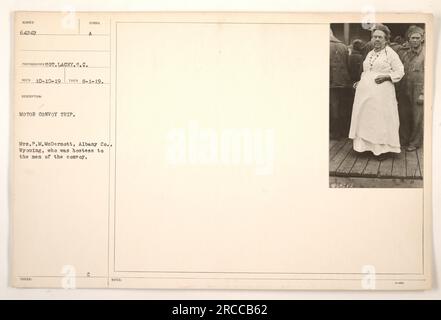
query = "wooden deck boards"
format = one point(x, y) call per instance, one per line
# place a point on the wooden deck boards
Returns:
point(345, 162)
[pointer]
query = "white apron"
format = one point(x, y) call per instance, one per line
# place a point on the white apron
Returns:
point(375, 121)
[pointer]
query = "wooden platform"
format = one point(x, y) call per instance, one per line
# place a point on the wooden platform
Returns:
point(345, 162)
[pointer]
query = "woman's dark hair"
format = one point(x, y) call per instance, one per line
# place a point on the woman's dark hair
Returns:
point(383, 28)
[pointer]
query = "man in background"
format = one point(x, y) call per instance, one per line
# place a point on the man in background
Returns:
point(356, 60)
point(411, 91)
point(340, 89)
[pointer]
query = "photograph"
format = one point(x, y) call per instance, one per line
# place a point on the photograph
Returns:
point(376, 105)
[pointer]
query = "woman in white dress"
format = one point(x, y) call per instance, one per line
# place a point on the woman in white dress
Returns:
point(375, 121)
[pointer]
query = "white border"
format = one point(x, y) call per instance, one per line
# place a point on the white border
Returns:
point(7, 7)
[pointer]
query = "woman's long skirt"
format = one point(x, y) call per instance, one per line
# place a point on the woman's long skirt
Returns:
point(375, 121)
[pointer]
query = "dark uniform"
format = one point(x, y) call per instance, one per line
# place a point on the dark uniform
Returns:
point(340, 89)
point(355, 65)
point(411, 98)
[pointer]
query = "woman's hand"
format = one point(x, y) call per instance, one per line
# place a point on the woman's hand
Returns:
point(381, 78)
point(355, 85)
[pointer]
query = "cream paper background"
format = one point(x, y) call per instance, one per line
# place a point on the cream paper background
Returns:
point(219, 219)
